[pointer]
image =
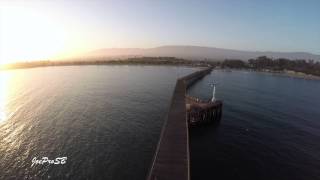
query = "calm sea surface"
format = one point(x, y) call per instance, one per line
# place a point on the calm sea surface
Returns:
point(106, 120)
point(270, 129)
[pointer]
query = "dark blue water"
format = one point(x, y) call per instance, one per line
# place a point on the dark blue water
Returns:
point(270, 128)
point(105, 119)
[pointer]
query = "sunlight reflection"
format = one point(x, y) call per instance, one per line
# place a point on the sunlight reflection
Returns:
point(4, 80)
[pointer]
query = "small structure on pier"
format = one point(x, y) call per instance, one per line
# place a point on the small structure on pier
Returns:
point(203, 112)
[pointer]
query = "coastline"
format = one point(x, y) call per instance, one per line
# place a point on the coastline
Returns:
point(131, 61)
point(290, 73)
point(164, 61)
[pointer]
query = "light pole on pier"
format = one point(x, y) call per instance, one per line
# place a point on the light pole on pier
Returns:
point(213, 92)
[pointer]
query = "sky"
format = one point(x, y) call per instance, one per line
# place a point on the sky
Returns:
point(55, 29)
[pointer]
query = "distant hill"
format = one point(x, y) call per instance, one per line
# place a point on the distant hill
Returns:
point(198, 53)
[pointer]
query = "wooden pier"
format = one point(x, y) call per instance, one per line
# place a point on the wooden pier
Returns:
point(171, 159)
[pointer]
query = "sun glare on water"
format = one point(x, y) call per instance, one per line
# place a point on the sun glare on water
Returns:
point(27, 34)
point(4, 79)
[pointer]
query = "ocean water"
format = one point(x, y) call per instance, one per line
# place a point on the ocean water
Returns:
point(105, 119)
point(270, 128)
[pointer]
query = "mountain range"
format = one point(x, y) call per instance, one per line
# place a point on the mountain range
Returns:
point(196, 53)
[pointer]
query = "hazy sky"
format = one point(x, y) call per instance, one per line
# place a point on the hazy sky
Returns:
point(43, 29)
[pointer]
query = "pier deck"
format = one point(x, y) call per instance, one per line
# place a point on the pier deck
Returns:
point(171, 160)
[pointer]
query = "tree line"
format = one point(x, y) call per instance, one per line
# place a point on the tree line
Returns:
point(260, 63)
point(263, 62)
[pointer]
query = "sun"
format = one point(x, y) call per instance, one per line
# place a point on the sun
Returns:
point(28, 35)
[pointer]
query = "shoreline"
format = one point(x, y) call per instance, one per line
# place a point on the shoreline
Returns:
point(291, 74)
point(285, 73)
point(163, 61)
